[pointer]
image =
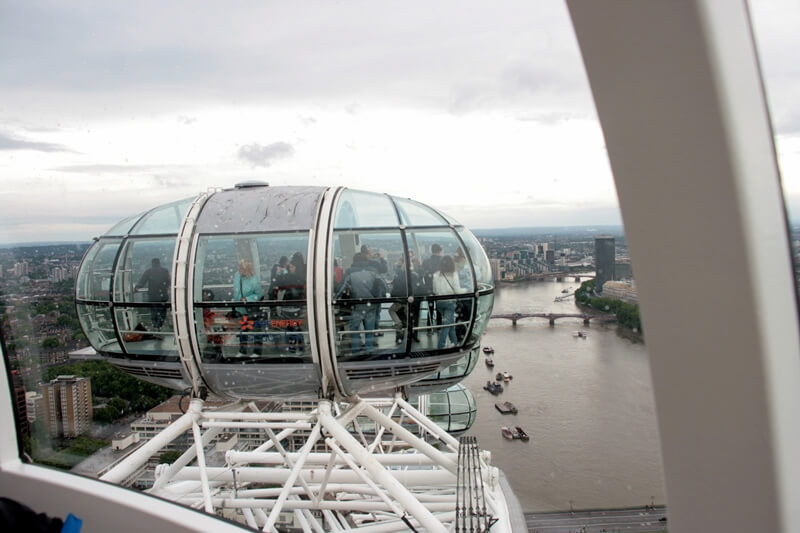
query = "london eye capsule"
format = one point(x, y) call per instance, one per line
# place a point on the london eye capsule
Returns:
point(260, 292)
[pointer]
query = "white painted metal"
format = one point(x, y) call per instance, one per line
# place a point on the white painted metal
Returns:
point(679, 95)
point(182, 304)
point(131, 464)
point(344, 476)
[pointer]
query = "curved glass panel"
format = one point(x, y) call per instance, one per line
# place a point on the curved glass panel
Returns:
point(482, 316)
point(96, 323)
point(359, 209)
point(453, 409)
point(462, 367)
point(453, 373)
point(146, 331)
point(142, 273)
point(441, 271)
point(480, 262)
point(164, 219)
point(122, 228)
point(94, 278)
point(450, 220)
point(415, 214)
point(250, 298)
point(371, 298)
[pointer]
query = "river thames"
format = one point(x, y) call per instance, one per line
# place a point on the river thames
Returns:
point(587, 405)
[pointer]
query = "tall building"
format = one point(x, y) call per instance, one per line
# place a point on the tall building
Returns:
point(35, 405)
point(604, 260)
point(495, 262)
point(20, 405)
point(68, 405)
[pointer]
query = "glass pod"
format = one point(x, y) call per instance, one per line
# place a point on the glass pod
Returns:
point(261, 292)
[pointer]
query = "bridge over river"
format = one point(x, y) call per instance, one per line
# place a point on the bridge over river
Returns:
point(552, 317)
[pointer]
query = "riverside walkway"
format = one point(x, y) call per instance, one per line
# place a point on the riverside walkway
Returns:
point(632, 520)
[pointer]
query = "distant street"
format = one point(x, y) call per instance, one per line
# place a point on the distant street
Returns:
point(637, 520)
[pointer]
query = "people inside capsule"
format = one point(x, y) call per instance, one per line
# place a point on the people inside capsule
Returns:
point(446, 282)
point(290, 286)
point(397, 311)
point(247, 288)
point(361, 282)
point(214, 340)
point(463, 306)
point(156, 280)
point(429, 267)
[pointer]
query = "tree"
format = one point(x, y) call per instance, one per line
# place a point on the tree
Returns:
point(50, 342)
point(169, 456)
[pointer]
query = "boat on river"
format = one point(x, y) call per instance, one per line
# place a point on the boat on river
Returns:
point(493, 387)
point(489, 362)
point(488, 349)
point(514, 433)
point(504, 376)
point(508, 433)
point(506, 408)
point(581, 335)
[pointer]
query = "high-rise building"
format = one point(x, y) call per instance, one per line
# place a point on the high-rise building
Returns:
point(68, 405)
point(495, 262)
point(604, 260)
point(35, 405)
point(20, 406)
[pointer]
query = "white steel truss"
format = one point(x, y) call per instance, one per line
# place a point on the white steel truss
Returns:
point(371, 466)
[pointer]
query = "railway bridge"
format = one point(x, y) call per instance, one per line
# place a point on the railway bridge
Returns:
point(552, 317)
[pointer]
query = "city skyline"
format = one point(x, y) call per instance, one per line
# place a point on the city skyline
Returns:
point(481, 112)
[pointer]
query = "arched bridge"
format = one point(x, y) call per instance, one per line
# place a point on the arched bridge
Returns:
point(552, 317)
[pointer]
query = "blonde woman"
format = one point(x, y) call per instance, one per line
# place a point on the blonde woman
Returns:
point(246, 285)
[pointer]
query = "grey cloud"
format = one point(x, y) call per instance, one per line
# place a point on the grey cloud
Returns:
point(156, 56)
point(9, 142)
point(263, 156)
point(104, 169)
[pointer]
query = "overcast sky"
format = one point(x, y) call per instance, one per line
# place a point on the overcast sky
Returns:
point(481, 109)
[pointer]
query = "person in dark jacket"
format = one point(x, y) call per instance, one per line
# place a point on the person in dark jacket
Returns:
point(429, 267)
point(397, 310)
point(156, 279)
point(362, 282)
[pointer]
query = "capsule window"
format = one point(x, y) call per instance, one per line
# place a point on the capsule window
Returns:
point(250, 298)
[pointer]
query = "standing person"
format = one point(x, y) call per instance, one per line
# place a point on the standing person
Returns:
point(429, 267)
point(376, 259)
point(362, 282)
point(246, 288)
point(379, 264)
point(214, 341)
point(338, 274)
point(464, 305)
point(156, 278)
point(445, 281)
point(278, 269)
point(400, 289)
point(292, 286)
